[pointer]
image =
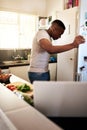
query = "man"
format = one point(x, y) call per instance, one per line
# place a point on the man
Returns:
point(42, 48)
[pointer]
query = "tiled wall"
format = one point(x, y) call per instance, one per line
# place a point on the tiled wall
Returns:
point(6, 55)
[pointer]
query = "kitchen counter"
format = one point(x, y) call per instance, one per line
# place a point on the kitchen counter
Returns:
point(5, 123)
point(25, 117)
point(22, 115)
point(7, 64)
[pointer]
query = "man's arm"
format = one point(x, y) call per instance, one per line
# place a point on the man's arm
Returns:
point(47, 45)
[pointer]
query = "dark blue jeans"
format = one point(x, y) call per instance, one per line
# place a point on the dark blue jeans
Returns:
point(34, 76)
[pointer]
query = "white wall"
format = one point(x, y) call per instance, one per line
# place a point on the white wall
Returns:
point(40, 7)
point(29, 6)
point(53, 6)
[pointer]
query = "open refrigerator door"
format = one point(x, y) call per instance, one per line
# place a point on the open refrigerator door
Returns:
point(82, 50)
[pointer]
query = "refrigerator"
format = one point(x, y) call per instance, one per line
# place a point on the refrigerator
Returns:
point(72, 65)
point(66, 61)
point(82, 50)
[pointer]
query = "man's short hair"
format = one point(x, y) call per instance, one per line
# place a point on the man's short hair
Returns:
point(59, 23)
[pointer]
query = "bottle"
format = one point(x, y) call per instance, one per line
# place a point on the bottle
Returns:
point(77, 2)
point(28, 57)
point(70, 4)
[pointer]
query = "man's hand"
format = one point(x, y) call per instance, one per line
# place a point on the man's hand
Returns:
point(78, 40)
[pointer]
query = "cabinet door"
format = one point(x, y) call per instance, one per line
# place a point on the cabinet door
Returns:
point(20, 71)
point(53, 71)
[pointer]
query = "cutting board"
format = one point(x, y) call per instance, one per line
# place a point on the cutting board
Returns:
point(15, 80)
point(28, 93)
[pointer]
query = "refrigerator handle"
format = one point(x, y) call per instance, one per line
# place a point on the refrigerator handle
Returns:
point(78, 77)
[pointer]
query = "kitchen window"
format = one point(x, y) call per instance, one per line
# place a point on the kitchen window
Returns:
point(17, 30)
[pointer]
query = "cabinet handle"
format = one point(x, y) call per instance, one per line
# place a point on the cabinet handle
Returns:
point(71, 58)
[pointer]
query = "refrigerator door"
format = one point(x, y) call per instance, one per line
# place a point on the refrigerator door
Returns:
point(66, 61)
point(82, 51)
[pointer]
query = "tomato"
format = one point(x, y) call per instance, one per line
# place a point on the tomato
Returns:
point(11, 87)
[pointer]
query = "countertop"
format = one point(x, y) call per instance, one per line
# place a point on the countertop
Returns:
point(7, 64)
point(22, 115)
point(5, 123)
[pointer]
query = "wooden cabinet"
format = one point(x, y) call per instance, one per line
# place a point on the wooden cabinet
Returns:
point(20, 71)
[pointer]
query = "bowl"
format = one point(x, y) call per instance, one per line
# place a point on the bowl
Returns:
point(5, 78)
